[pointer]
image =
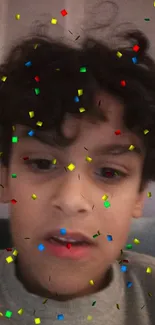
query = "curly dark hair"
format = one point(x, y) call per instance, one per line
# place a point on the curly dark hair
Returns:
point(62, 70)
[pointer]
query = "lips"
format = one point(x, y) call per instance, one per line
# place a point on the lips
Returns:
point(70, 237)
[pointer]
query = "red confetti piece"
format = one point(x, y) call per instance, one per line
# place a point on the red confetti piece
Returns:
point(25, 158)
point(125, 261)
point(9, 249)
point(68, 246)
point(117, 132)
point(37, 78)
point(136, 48)
point(64, 12)
point(123, 83)
point(13, 201)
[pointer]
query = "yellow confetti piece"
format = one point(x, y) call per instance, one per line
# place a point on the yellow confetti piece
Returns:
point(17, 16)
point(39, 123)
point(117, 305)
point(91, 282)
point(37, 321)
point(131, 147)
point(15, 252)
point(104, 197)
point(54, 161)
point(9, 259)
point(20, 311)
point(53, 21)
point(149, 294)
point(148, 270)
point(119, 54)
point(80, 92)
point(149, 194)
point(136, 241)
point(89, 317)
point(82, 109)
point(88, 159)
point(154, 4)
point(13, 128)
point(146, 131)
point(4, 78)
point(31, 114)
point(34, 196)
point(71, 167)
point(1, 314)
point(35, 46)
point(1, 153)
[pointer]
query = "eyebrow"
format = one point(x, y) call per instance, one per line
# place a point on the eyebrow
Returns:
point(110, 149)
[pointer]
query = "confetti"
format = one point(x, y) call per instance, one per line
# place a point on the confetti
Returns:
point(147, 19)
point(13, 128)
point(94, 302)
point(35, 46)
point(28, 64)
point(119, 54)
point(41, 247)
point(71, 167)
point(148, 270)
point(96, 235)
point(129, 284)
point(15, 253)
point(117, 132)
point(14, 175)
point(17, 16)
point(1, 314)
point(8, 314)
point(13, 201)
point(60, 317)
point(128, 246)
point(80, 92)
point(82, 109)
point(131, 147)
point(25, 158)
point(88, 159)
point(63, 231)
point(31, 114)
point(68, 245)
point(2, 185)
point(149, 194)
point(31, 133)
point(104, 197)
point(136, 241)
point(4, 78)
point(109, 237)
point(123, 268)
point(117, 305)
point(83, 69)
point(54, 161)
point(14, 139)
point(20, 311)
point(37, 321)
point(37, 79)
point(146, 131)
point(37, 91)
point(149, 294)
point(123, 83)
point(136, 48)
point(34, 196)
point(134, 60)
point(64, 12)
point(76, 99)
point(89, 317)
point(44, 302)
point(53, 21)
point(9, 249)
point(39, 123)
point(107, 204)
point(154, 4)
point(9, 259)
point(91, 282)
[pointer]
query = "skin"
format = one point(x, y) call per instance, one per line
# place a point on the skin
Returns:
point(64, 201)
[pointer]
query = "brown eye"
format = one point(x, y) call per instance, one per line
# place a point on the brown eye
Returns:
point(40, 164)
point(110, 173)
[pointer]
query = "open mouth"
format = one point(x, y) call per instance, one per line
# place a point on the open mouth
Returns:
point(65, 241)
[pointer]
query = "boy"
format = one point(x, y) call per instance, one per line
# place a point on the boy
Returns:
point(78, 133)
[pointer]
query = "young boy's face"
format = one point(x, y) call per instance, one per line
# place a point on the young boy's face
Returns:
point(73, 200)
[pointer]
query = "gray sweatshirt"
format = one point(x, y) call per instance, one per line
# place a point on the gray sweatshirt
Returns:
point(129, 298)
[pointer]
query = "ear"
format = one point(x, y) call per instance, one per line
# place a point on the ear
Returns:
point(139, 205)
point(4, 188)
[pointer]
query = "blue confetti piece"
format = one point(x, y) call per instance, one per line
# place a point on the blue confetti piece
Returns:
point(123, 268)
point(63, 231)
point(28, 64)
point(109, 237)
point(41, 247)
point(129, 284)
point(134, 60)
point(76, 99)
point(31, 133)
point(60, 317)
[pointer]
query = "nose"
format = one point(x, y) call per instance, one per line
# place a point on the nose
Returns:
point(73, 197)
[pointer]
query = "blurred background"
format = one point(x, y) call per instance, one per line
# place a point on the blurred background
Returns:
point(101, 19)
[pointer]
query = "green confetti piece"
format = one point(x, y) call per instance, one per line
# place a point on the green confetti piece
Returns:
point(94, 302)
point(95, 236)
point(147, 19)
point(14, 139)
point(14, 175)
point(8, 314)
point(128, 246)
point(107, 204)
point(37, 91)
point(83, 69)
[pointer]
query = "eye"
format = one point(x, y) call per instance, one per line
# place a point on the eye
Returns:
point(110, 174)
point(40, 164)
